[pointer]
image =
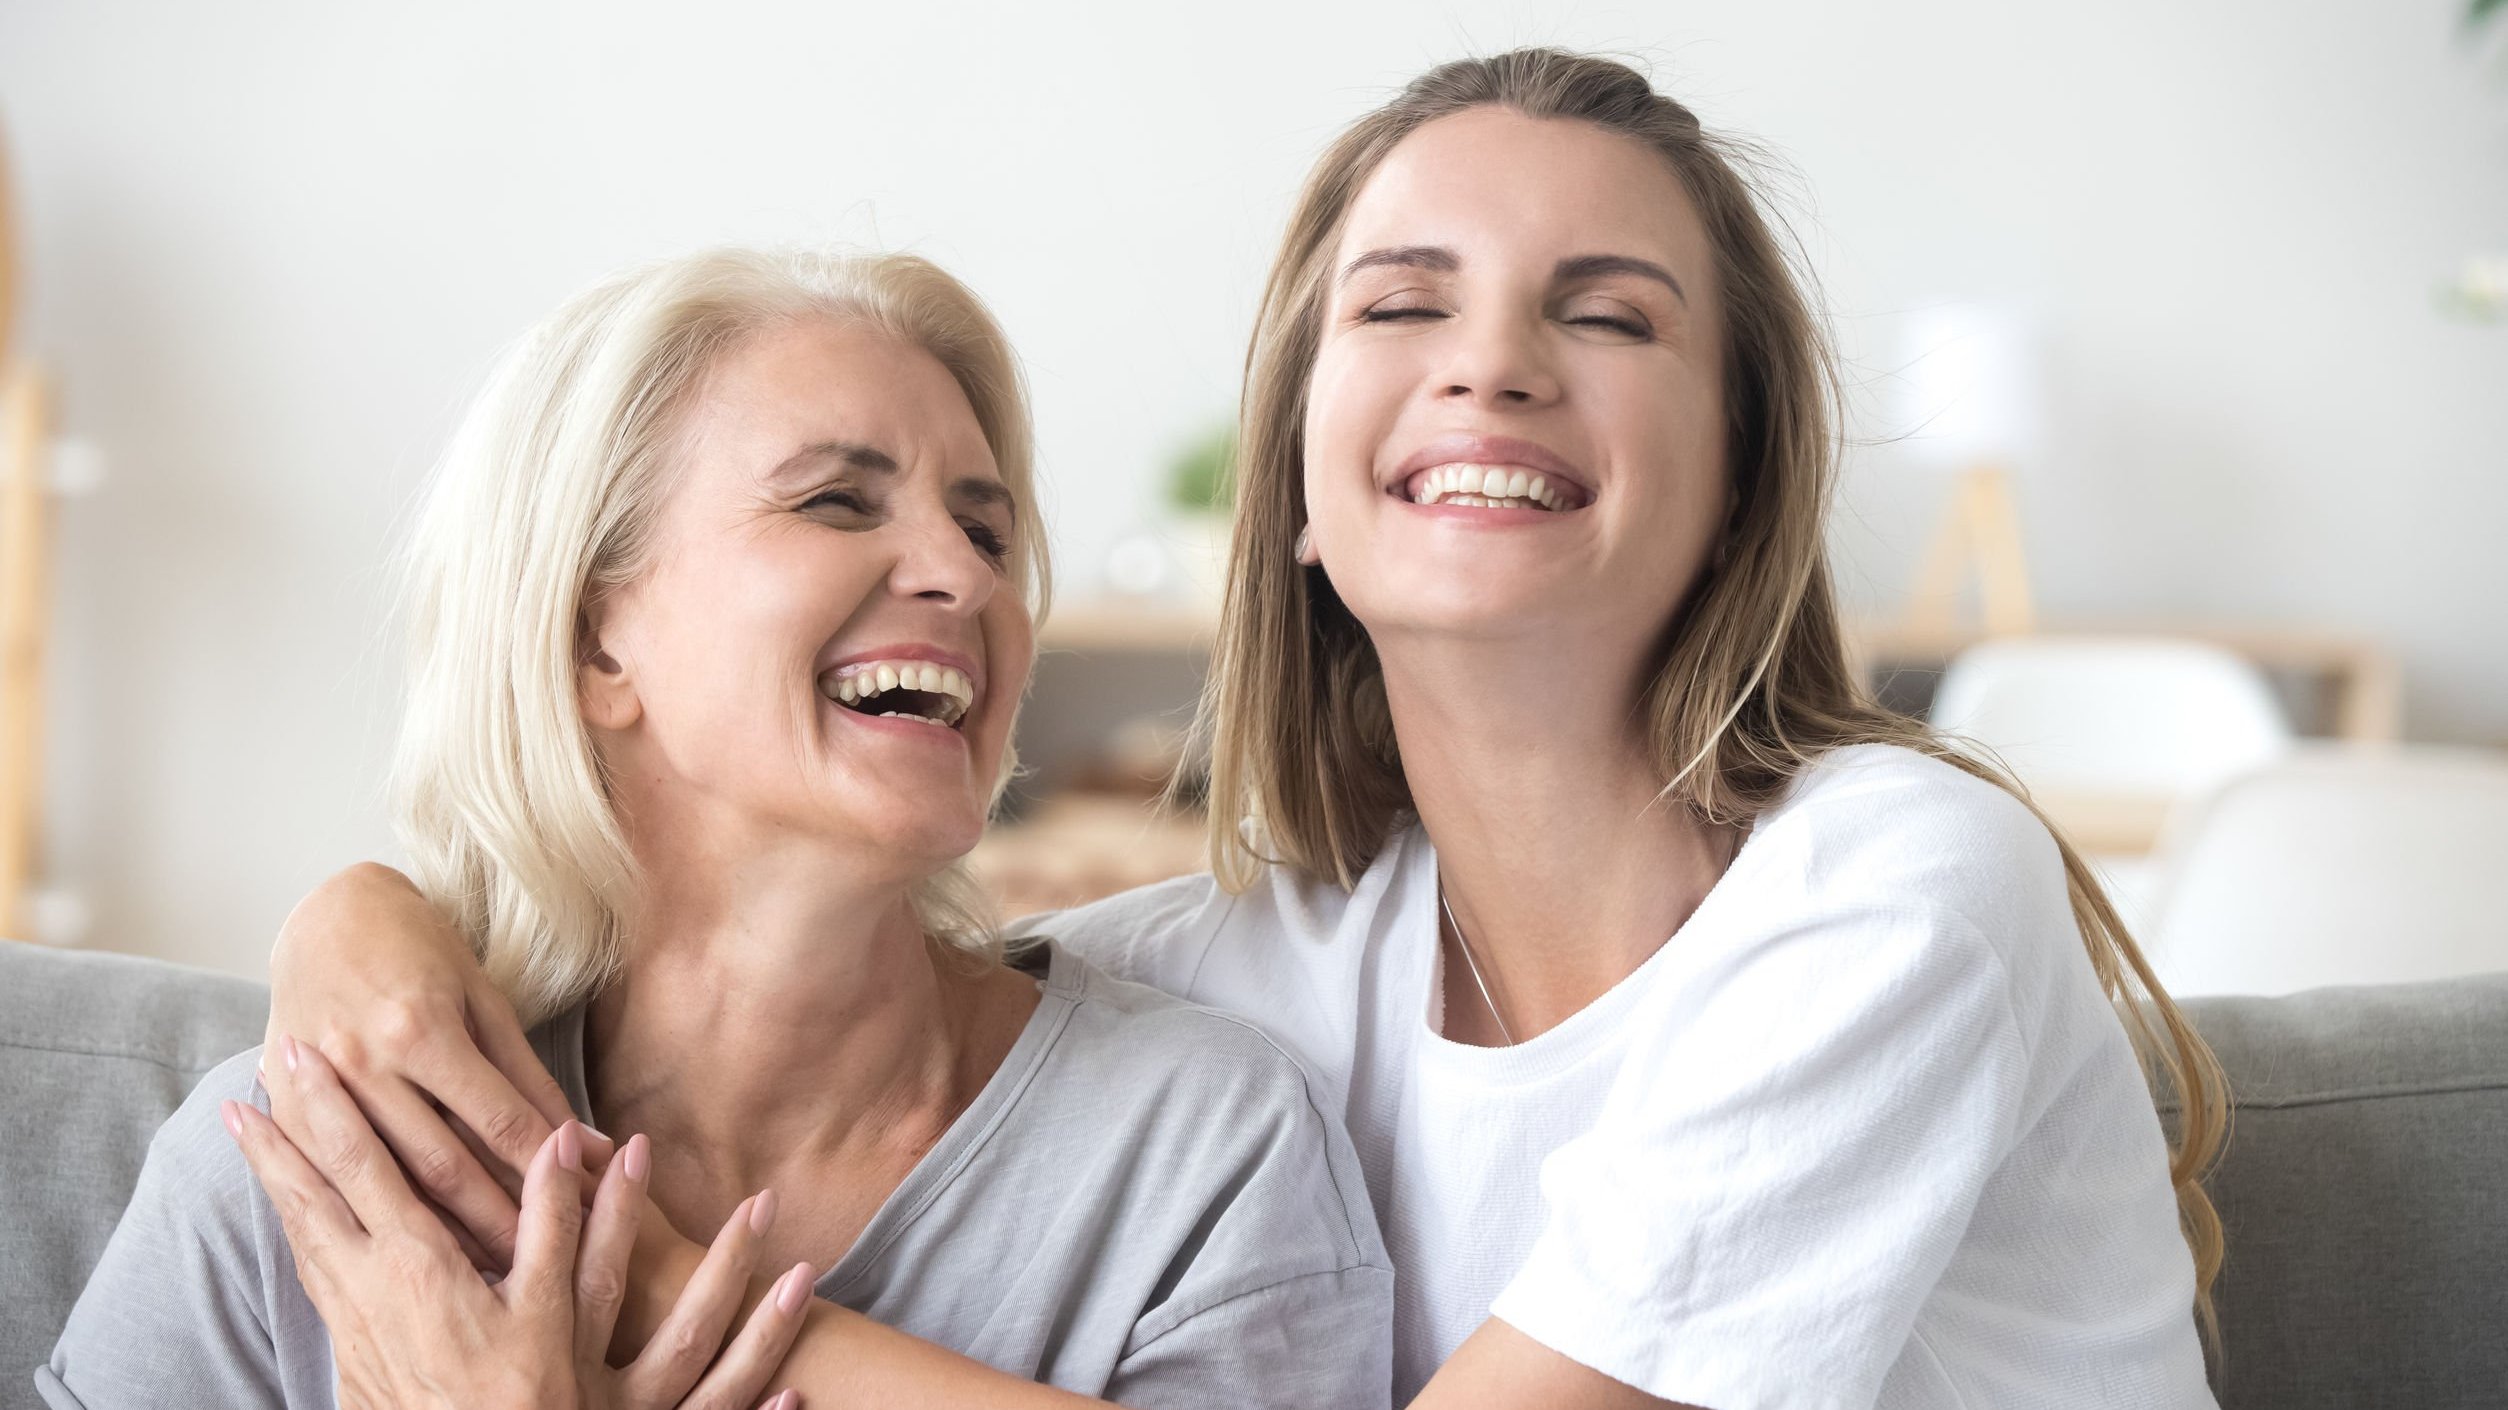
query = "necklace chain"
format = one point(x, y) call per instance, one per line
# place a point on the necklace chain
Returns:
point(1473, 965)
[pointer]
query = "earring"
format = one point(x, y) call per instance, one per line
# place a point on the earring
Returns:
point(1304, 546)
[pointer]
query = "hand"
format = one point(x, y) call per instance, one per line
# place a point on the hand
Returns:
point(412, 1325)
point(431, 1051)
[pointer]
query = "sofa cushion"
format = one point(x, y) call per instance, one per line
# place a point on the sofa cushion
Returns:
point(96, 1051)
point(2364, 1196)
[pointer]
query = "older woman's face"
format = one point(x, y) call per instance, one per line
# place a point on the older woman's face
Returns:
point(1515, 425)
point(826, 644)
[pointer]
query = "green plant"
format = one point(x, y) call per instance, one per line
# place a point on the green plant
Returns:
point(1203, 478)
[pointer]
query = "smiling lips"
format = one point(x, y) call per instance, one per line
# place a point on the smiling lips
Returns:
point(939, 696)
point(1487, 487)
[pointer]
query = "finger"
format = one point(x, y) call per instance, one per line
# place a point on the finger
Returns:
point(351, 1156)
point(552, 1221)
point(609, 1241)
point(465, 1083)
point(740, 1374)
point(692, 1333)
point(316, 1219)
point(442, 1165)
point(491, 1269)
point(501, 1040)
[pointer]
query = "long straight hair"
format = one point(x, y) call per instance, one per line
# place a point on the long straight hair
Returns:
point(1754, 683)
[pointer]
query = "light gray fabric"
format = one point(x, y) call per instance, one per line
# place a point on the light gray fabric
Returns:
point(96, 1051)
point(1145, 1204)
point(2364, 1197)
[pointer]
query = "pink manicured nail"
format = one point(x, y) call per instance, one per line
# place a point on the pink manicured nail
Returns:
point(636, 1159)
point(789, 1400)
point(795, 1290)
point(569, 1148)
point(287, 1051)
point(762, 1212)
point(234, 1119)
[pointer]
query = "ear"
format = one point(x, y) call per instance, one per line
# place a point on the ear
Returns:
point(605, 687)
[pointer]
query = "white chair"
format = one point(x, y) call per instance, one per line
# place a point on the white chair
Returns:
point(2113, 715)
point(2342, 866)
point(2141, 719)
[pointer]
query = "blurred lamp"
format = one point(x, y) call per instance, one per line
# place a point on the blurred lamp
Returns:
point(1967, 403)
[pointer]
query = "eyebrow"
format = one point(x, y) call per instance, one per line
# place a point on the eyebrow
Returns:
point(854, 455)
point(1430, 257)
point(1439, 259)
point(871, 460)
point(1597, 266)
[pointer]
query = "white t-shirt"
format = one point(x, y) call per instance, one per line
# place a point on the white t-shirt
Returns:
point(1864, 1132)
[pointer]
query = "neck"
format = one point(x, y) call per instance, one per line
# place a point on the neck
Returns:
point(779, 1012)
point(1564, 870)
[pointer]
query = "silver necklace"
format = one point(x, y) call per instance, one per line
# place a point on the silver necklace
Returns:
point(1472, 964)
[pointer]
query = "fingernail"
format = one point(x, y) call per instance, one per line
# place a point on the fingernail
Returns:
point(787, 1400)
point(594, 1136)
point(569, 1148)
point(762, 1212)
point(635, 1160)
point(795, 1290)
point(287, 1051)
point(234, 1119)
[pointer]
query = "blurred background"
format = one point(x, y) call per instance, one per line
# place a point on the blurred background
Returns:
point(2174, 336)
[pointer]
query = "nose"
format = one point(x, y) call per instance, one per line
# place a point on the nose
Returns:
point(1497, 363)
point(939, 564)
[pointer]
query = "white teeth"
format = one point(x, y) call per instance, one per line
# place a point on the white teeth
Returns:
point(860, 682)
point(1487, 487)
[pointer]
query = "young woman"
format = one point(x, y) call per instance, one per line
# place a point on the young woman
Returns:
point(1708, 1035)
point(722, 622)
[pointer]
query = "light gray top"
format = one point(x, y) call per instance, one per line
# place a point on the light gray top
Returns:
point(1146, 1203)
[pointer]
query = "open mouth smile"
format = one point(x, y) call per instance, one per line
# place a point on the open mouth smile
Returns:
point(938, 696)
point(1492, 487)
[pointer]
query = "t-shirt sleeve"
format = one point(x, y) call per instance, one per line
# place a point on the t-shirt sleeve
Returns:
point(1151, 935)
point(1320, 1338)
point(1279, 1292)
point(177, 1310)
point(1785, 1165)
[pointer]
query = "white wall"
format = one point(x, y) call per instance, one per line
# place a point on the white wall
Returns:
point(273, 244)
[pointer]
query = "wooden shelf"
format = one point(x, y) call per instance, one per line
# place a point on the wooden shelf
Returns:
point(1129, 624)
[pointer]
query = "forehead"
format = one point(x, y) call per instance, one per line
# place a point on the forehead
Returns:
point(821, 380)
point(1493, 181)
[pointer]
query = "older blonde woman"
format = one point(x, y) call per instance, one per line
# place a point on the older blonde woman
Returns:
point(1709, 1035)
point(722, 612)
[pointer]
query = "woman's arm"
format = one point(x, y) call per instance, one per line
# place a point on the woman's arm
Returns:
point(372, 975)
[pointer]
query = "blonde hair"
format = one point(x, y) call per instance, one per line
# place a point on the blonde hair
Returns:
point(1754, 683)
point(546, 498)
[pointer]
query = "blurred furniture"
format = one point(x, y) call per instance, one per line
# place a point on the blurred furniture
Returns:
point(1966, 398)
point(25, 434)
point(2112, 718)
point(1081, 847)
point(96, 1051)
point(2367, 1261)
point(2338, 866)
point(2348, 687)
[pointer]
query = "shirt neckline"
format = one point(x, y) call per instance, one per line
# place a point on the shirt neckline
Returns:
point(1557, 1049)
point(1058, 997)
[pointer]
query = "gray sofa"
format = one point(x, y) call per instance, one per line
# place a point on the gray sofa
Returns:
point(2363, 1191)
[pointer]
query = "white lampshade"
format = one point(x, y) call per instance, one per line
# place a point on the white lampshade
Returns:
point(1967, 387)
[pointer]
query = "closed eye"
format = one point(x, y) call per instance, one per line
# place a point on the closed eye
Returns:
point(1632, 327)
point(1396, 315)
point(842, 499)
point(986, 537)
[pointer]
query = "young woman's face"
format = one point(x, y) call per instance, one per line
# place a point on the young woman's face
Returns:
point(827, 643)
point(1515, 422)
